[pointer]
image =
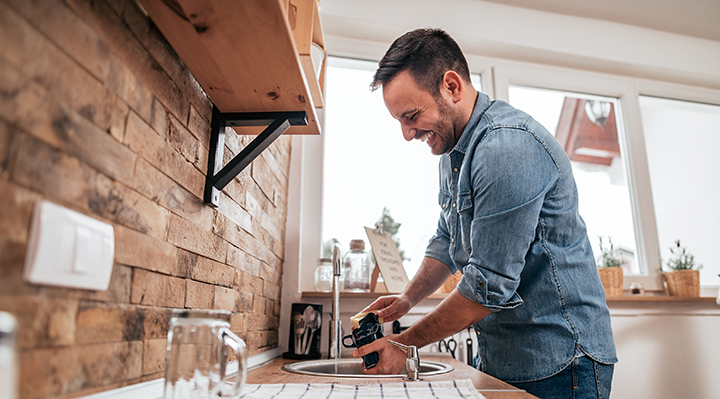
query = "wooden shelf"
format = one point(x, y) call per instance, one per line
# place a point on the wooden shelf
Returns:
point(243, 54)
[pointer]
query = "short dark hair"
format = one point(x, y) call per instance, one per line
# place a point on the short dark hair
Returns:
point(427, 54)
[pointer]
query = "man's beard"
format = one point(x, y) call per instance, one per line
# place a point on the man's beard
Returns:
point(444, 130)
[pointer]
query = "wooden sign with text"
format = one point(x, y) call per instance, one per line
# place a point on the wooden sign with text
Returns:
point(388, 260)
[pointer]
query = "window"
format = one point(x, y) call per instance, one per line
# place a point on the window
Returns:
point(661, 145)
point(370, 167)
point(681, 139)
point(591, 133)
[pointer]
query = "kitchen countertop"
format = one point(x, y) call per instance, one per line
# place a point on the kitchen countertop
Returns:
point(490, 387)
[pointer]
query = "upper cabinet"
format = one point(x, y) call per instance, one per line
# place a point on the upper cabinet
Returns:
point(250, 55)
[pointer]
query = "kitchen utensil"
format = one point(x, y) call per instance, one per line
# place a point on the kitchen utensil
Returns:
point(450, 345)
point(309, 314)
point(469, 348)
point(315, 325)
point(299, 330)
point(197, 356)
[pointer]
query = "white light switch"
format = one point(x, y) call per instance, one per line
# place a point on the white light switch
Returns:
point(68, 249)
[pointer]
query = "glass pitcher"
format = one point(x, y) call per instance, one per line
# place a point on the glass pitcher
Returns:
point(198, 356)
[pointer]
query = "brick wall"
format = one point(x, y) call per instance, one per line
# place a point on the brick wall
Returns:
point(98, 114)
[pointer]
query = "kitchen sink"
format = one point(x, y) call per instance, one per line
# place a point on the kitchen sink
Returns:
point(352, 368)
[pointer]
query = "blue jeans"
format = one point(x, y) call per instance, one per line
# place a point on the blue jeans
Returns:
point(584, 378)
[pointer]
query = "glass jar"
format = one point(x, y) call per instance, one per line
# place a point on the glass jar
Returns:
point(198, 356)
point(8, 357)
point(324, 275)
point(357, 268)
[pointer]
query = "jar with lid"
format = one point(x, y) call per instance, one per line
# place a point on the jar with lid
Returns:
point(324, 275)
point(357, 268)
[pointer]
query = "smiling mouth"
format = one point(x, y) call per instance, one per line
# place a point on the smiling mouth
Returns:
point(426, 136)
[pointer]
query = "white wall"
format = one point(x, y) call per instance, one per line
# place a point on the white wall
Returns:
point(666, 350)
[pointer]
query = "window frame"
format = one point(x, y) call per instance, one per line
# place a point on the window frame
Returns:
point(305, 194)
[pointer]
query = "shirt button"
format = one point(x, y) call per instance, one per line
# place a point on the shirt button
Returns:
point(452, 240)
point(455, 170)
point(453, 205)
point(444, 206)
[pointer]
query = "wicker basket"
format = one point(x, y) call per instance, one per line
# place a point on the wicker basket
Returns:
point(449, 284)
point(612, 280)
point(683, 283)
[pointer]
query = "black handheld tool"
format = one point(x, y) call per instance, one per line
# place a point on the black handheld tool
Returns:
point(450, 345)
point(468, 347)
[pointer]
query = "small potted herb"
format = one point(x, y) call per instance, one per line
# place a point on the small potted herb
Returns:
point(609, 268)
point(683, 275)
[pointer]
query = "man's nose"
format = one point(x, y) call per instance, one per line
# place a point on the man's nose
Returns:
point(408, 132)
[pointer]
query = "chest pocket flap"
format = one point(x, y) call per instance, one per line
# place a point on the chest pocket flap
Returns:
point(464, 202)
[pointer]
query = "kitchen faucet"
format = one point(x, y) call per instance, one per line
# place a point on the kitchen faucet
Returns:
point(334, 350)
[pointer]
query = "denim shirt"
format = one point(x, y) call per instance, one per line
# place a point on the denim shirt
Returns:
point(510, 223)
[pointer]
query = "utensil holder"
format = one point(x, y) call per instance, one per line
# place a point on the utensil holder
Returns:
point(305, 331)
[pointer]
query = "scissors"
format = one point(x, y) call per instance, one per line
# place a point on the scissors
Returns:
point(450, 346)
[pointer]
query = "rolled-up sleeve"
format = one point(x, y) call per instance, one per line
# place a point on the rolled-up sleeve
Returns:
point(439, 245)
point(510, 177)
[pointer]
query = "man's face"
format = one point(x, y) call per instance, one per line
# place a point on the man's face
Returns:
point(421, 116)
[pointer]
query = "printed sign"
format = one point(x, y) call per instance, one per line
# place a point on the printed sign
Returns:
point(388, 260)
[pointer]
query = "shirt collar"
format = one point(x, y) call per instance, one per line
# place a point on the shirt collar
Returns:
point(481, 105)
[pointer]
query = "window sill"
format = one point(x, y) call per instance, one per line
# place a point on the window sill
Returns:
point(657, 298)
point(438, 295)
point(371, 295)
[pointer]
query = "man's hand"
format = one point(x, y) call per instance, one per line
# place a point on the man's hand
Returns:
point(392, 358)
point(429, 278)
point(390, 307)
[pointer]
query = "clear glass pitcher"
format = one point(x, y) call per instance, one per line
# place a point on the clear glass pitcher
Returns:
point(198, 356)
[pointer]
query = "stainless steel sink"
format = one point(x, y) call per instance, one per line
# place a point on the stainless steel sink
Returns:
point(351, 368)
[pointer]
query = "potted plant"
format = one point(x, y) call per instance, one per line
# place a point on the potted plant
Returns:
point(683, 277)
point(609, 268)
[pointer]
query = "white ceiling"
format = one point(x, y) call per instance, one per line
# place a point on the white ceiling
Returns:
point(674, 41)
point(697, 18)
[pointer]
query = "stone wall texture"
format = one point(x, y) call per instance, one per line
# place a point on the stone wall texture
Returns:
point(98, 114)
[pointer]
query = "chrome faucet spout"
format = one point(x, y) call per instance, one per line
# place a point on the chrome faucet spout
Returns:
point(412, 361)
point(334, 338)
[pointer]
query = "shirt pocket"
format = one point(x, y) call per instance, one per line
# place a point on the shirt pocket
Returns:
point(445, 201)
point(466, 208)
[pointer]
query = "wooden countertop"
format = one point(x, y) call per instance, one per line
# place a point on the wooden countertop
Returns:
point(490, 387)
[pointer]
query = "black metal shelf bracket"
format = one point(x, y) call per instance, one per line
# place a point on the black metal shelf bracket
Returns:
point(219, 176)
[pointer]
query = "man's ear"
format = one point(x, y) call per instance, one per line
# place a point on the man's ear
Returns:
point(453, 86)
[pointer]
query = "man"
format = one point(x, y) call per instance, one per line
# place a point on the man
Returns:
point(509, 222)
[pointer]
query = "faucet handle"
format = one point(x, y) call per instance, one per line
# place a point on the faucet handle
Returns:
point(412, 361)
